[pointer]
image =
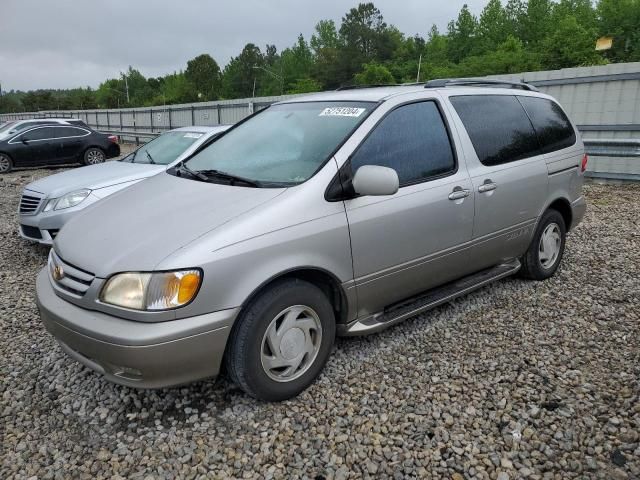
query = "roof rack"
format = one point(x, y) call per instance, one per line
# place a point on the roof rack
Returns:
point(356, 87)
point(478, 82)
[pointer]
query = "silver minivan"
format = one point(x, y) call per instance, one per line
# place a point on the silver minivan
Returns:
point(338, 213)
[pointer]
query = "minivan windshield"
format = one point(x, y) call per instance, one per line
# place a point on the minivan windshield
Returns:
point(283, 145)
point(164, 149)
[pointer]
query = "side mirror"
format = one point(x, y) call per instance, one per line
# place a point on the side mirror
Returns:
point(375, 180)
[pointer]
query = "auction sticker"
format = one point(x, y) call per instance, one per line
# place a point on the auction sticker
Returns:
point(341, 112)
point(192, 135)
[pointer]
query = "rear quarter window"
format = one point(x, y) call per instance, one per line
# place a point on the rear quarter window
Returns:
point(498, 127)
point(552, 126)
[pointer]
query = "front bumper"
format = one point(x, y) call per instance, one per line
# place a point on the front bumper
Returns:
point(44, 226)
point(136, 354)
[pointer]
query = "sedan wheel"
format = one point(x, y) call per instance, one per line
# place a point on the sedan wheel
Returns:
point(5, 164)
point(93, 156)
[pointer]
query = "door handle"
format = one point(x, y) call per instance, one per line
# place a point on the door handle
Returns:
point(459, 193)
point(487, 187)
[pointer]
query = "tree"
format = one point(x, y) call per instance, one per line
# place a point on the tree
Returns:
point(296, 64)
point(364, 38)
point(374, 74)
point(536, 24)
point(569, 45)
point(240, 73)
point(325, 45)
point(620, 19)
point(493, 26)
point(304, 85)
point(462, 35)
point(203, 73)
point(509, 57)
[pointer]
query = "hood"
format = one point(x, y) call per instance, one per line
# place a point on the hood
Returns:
point(93, 177)
point(136, 228)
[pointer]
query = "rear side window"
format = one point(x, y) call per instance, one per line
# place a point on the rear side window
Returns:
point(69, 132)
point(551, 124)
point(498, 127)
point(413, 140)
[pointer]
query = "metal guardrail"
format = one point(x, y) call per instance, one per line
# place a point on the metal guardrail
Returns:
point(121, 134)
point(614, 148)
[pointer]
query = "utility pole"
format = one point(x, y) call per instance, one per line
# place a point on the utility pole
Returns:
point(126, 87)
point(419, 64)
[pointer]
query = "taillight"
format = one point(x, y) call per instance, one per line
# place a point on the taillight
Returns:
point(583, 164)
point(112, 139)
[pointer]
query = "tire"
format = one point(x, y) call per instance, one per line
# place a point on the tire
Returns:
point(6, 164)
point(262, 351)
point(93, 156)
point(538, 264)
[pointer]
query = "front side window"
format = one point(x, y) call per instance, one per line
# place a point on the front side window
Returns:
point(284, 144)
point(413, 140)
point(550, 123)
point(41, 133)
point(498, 127)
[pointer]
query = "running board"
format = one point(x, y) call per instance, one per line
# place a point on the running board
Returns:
point(398, 312)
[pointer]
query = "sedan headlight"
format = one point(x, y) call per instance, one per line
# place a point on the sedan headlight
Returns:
point(68, 200)
point(152, 291)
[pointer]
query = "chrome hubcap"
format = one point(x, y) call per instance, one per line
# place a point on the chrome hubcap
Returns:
point(549, 249)
point(291, 343)
point(95, 156)
point(4, 163)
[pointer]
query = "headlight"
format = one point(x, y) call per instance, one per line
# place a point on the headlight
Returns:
point(69, 200)
point(152, 291)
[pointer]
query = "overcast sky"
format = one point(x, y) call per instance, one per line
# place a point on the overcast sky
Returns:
point(74, 43)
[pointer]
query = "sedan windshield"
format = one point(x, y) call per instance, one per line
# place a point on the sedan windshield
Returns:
point(281, 146)
point(164, 149)
point(6, 126)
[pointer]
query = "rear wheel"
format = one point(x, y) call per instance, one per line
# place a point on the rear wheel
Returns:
point(93, 156)
point(282, 341)
point(547, 247)
point(6, 164)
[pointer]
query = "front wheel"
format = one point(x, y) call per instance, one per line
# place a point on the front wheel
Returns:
point(93, 156)
point(6, 165)
point(282, 341)
point(547, 247)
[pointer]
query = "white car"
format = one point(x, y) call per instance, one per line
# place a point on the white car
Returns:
point(47, 204)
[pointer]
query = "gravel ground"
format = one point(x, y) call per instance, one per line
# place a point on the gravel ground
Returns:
point(518, 380)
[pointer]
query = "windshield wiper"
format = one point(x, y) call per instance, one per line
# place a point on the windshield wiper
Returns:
point(209, 175)
point(233, 179)
point(200, 176)
point(151, 160)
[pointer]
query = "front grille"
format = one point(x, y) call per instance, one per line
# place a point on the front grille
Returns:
point(29, 204)
point(67, 277)
point(31, 232)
